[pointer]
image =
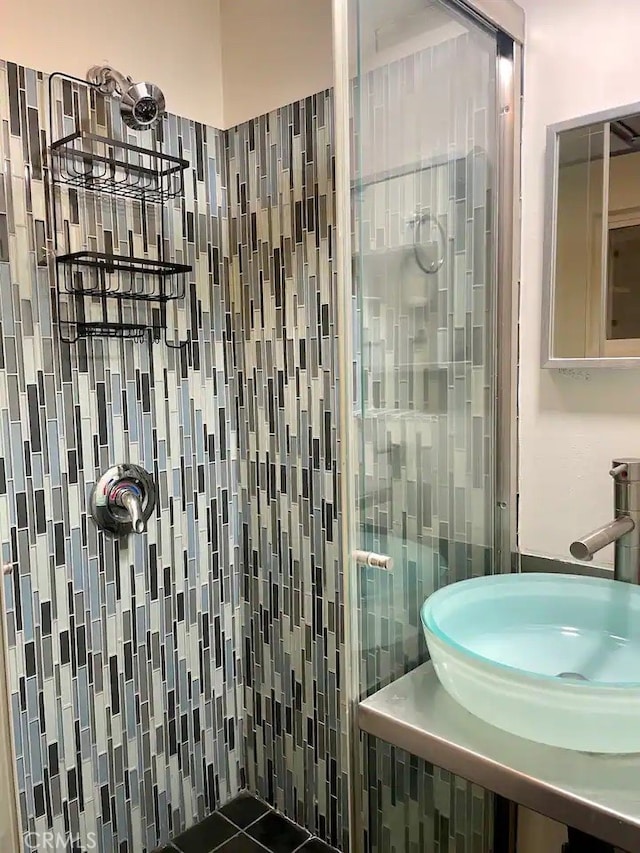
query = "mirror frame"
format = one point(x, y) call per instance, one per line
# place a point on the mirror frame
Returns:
point(549, 243)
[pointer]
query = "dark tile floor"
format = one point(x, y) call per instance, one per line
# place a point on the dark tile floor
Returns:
point(246, 825)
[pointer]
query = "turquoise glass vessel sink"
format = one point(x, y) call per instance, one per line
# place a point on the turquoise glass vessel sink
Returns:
point(553, 658)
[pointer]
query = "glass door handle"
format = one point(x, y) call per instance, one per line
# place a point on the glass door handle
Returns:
point(370, 558)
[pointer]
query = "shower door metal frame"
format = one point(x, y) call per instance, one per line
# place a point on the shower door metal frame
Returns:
point(10, 810)
point(503, 15)
point(508, 238)
point(508, 20)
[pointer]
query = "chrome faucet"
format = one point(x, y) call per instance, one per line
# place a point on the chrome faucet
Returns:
point(624, 530)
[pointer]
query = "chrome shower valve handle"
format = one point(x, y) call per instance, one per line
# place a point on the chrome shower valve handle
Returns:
point(123, 499)
point(129, 495)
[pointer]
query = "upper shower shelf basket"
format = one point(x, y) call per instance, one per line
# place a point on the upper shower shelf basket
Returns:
point(106, 165)
point(101, 164)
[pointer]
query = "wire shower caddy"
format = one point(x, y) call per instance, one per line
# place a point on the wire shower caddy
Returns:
point(106, 165)
point(118, 283)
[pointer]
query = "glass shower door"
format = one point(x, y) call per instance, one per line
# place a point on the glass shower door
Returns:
point(424, 113)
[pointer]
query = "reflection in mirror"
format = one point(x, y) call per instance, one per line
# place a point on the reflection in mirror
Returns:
point(620, 333)
point(595, 251)
point(578, 238)
point(623, 309)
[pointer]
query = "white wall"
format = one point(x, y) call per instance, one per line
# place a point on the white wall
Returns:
point(173, 44)
point(274, 52)
point(218, 61)
point(581, 56)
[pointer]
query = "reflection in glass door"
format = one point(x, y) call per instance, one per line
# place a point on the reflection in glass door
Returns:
point(424, 119)
point(424, 116)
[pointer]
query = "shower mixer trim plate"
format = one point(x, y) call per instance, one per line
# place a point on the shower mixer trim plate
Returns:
point(123, 500)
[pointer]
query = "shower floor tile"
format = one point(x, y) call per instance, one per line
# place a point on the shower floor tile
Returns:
point(244, 810)
point(241, 844)
point(246, 825)
point(314, 845)
point(206, 836)
point(278, 834)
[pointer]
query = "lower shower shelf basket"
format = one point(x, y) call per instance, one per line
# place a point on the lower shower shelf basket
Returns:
point(120, 277)
point(71, 332)
point(103, 278)
point(130, 331)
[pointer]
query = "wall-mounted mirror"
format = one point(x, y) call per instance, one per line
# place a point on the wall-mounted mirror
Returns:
point(591, 313)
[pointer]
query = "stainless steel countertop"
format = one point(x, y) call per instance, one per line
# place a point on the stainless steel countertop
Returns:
point(598, 794)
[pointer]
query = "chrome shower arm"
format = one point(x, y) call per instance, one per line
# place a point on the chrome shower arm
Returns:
point(108, 80)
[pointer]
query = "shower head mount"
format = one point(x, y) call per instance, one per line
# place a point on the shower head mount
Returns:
point(142, 105)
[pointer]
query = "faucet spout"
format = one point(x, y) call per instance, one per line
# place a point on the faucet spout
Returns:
point(587, 546)
point(624, 530)
point(129, 498)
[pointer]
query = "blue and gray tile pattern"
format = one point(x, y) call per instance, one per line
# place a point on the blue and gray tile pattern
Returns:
point(283, 286)
point(123, 659)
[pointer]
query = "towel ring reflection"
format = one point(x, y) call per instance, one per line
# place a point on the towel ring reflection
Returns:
point(419, 220)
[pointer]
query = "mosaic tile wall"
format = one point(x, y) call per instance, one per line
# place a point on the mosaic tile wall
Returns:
point(424, 139)
point(122, 657)
point(282, 224)
point(417, 807)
